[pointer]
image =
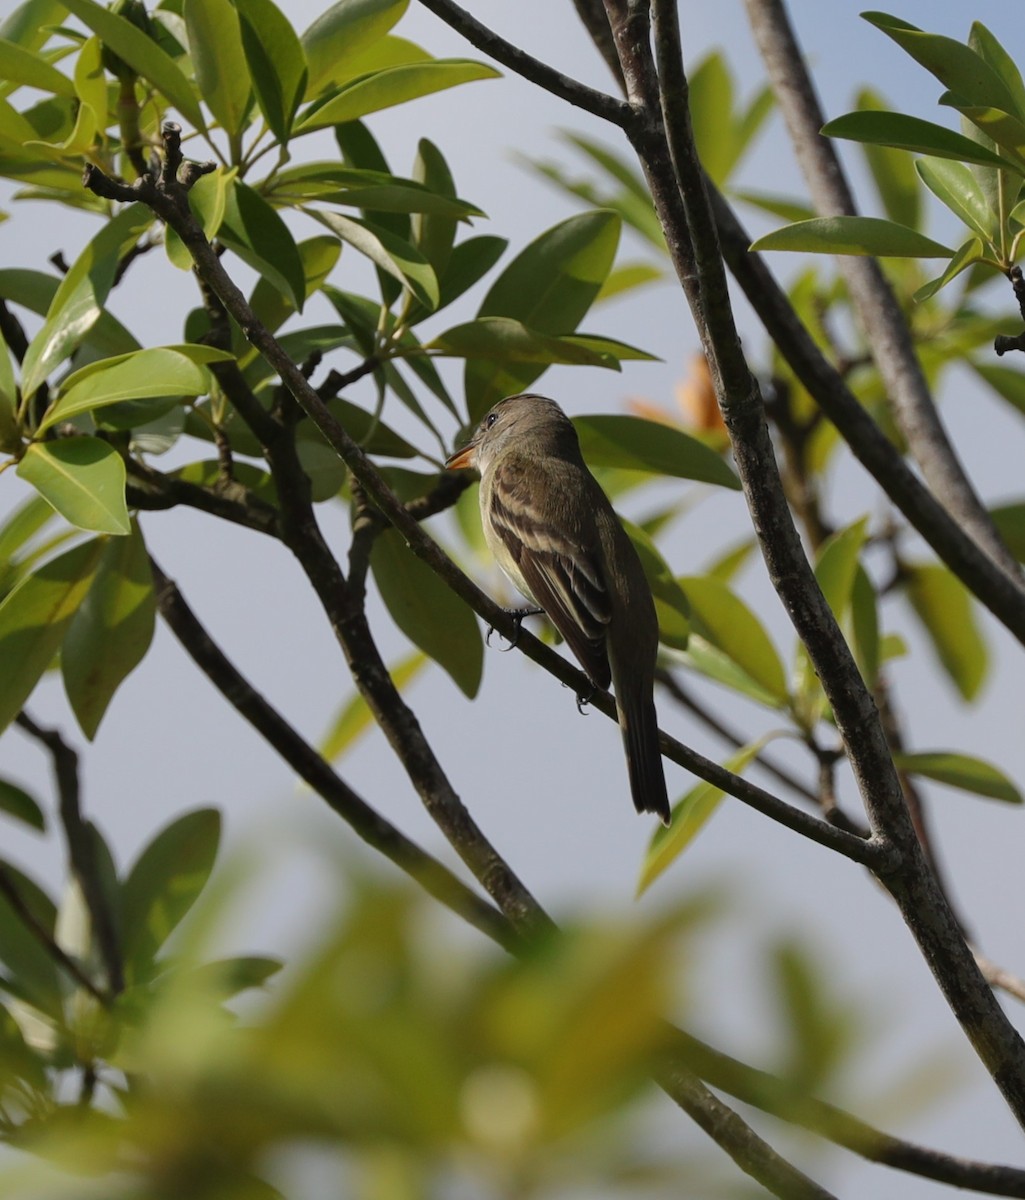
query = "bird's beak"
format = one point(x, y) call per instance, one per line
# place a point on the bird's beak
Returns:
point(462, 458)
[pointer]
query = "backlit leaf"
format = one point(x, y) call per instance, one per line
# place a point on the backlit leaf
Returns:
point(852, 235)
point(962, 771)
point(945, 610)
point(636, 444)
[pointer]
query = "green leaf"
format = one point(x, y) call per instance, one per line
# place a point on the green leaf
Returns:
point(83, 478)
point(33, 618)
point(395, 256)
point(17, 803)
point(163, 885)
point(434, 234)
point(962, 771)
point(392, 86)
point(79, 300)
point(226, 977)
point(992, 52)
point(277, 64)
point(341, 33)
point(19, 65)
point(502, 340)
point(1007, 382)
point(1010, 522)
point(354, 718)
point(215, 46)
point(1000, 127)
point(955, 185)
point(893, 172)
point(864, 624)
point(690, 815)
point(112, 630)
point(207, 199)
point(966, 255)
point(953, 63)
point(35, 291)
point(912, 133)
point(31, 972)
point(548, 287)
point(635, 444)
point(469, 261)
point(260, 238)
point(671, 602)
point(428, 612)
point(142, 54)
point(145, 374)
point(372, 191)
point(29, 23)
point(728, 624)
point(852, 235)
point(627, 277)
point(942, 604)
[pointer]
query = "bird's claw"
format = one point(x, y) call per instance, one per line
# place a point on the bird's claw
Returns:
point(518, 615)
point(583, 700)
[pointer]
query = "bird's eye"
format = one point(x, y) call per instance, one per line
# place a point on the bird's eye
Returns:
point(490, 419)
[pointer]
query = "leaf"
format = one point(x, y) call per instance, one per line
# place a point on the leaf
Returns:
point(145, 374)
point(548, 287)
point(864, 624)
point(207, 199)
point(163, 885)
point(343, 32)
point(893, 172)
point(635, 444)
point(852, 235)
point(502, 340)
point(965, 256)
point(109, 635)
point(79, 300)
point(953, 63)
point(17, 803)
point(260, 238)
point(912, 133)
point(33, 618)
point(690, 814)
point(83, 478)
point(428, 612)
point(142, 54)
point(392, 86)
point(277, 64)
point(942, 604)
point(319, 256)
point(355, 717)
point(993, 53)
point(434, 234)
point(727, 622)
point(1001, 128)
point(671, 602)
point(392, 254)
point(955, 185)
point(962, 771)
point(215, 47)
point(1010, 522)
point(469, 261)
point(31, 972)
point(19, 65)
point(1007, 382)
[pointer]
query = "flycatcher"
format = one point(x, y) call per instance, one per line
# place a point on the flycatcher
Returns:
point(556, 536)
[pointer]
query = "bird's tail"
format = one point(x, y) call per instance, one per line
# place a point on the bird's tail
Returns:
point(639, 723)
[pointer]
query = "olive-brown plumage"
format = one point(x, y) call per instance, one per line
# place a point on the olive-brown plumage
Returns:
point(555, 534)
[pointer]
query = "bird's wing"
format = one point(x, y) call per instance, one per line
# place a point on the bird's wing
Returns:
point(564, 578)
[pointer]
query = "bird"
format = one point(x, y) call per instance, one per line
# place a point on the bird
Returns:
point(556, 536)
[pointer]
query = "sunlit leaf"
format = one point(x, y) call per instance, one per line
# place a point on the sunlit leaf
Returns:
point(222, 75)
point(852, 235)
point(83, 478)
point(355, 718)
point(255, 232)
point(276, 61)
point(341, 33)
point(912, 133)
point(943, 606)
point(633, 443)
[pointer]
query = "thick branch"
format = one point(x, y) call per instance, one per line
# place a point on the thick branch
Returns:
point(875, 305)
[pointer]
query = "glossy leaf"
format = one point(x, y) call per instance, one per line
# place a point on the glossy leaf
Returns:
point(207, 199)
point(671, 603)
point(35, 291)
point(393, 255)
point(255, 232)
point(548, 287)
point(341, 33)
point(392, 86)
point(277, 64)
point(142, 54)
point(1001, 128)
point(428, 612)
point(215, 46)
point(635, 444)
point(986, 46)
point(502, 340)
point(912, 133)
point(945, 610)
point(727, 623)
point(955, 185)
point(83, 478)
point(469, 262)
point(852, 235)
point(434, 234)
point(690, 815)
point(29, 968)
point(319, 256)
point(111, 631)
point(81, 295)
point(17, 803)
point(355, 718)
point(33, 619)
point(163, 885)
point(966, 256)
point(962, 771)
point(156, 373)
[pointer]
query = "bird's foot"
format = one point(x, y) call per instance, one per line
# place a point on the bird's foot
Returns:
point(584, 699)
point(518, 615)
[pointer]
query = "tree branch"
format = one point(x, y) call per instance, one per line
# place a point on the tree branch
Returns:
point(875, 306)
